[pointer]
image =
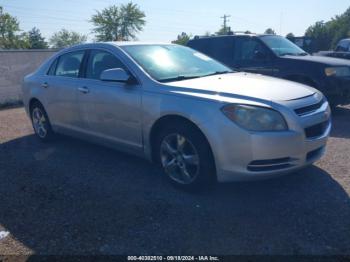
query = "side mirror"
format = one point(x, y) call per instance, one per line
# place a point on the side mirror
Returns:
point(115, 75)
point(258, 55)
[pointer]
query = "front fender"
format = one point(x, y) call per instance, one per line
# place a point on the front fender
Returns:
point(157, 105)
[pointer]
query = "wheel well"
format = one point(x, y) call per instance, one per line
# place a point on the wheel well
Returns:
point(302, 79)
point(165, 120)
point(32, 102)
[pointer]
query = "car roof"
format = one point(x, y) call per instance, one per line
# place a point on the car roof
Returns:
point(229, 36)
point(132, 43)
point(119, 44)
point(105, 44)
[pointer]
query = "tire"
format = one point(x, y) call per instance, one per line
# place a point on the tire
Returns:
point(41, 123)
point(185, 156)
point(333, 105)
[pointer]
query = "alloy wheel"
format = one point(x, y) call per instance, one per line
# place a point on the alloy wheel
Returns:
point(179, 158)
point(39, 122)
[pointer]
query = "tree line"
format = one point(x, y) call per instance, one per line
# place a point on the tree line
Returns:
point(115, 23)
point(123, 22)
point(327, 34)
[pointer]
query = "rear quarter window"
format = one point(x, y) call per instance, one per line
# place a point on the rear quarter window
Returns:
point(200, 45)
point(222, 49)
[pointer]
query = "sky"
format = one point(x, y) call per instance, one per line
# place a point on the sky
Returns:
point(166, 19)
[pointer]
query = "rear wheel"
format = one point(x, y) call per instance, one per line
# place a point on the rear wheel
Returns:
point(185, 156)
point(41, 122)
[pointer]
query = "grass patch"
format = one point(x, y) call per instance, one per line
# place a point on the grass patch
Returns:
point(11, 103)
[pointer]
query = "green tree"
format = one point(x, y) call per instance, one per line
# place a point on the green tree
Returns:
point(321, 34)
point(327, 34)
point(270, 31)
point(290, 35)
point(118, 23)
point(182, 39)
point(65, 38)
point(36, 40)
point(339, 27)
point(224, 31)
point(9, 28)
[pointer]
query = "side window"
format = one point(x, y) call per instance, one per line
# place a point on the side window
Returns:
point(222, 49)
point(249, 49)
point(52, 69)
point(69, 64)
point(100, 61)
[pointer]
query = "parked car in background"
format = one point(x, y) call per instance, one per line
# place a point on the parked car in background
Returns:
point(341, 51)
point(277, 56)
point(191, 114)
point(304, 42)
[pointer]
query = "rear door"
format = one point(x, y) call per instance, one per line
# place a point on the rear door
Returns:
point(251, 55)
point(110, 110)
point(61, 85)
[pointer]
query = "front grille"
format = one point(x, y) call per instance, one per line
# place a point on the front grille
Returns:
point(316, 130)
point(309, 109)
point(270, 165)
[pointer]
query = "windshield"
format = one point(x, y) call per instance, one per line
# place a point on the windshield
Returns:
point(282, 46)
point(167, 63)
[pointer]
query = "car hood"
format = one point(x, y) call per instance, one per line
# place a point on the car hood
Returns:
point(246, 85)
point(329, 61)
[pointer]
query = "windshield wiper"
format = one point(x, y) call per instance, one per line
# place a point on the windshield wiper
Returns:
point(183, 77)
point(284, 54)
point(177, 78)
point(294, 54)
point(219, 73)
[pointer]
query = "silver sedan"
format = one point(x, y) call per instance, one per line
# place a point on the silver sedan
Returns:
point(177, 107)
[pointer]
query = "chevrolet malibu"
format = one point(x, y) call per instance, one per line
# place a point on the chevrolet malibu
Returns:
point(200, 121)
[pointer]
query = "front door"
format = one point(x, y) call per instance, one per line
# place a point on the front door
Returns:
point(112, 110)
point(252, 56)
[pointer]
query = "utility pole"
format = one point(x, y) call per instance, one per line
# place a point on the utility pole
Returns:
point(225, 17)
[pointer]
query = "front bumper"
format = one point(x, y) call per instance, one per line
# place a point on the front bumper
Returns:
point(241, 155)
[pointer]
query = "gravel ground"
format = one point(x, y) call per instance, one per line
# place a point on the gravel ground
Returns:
point(72, 197)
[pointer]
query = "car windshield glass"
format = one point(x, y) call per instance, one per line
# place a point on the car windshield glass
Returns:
point(282, 46)
point(167, 63)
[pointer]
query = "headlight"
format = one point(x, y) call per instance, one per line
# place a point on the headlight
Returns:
point(337, 71)
point(255, 118)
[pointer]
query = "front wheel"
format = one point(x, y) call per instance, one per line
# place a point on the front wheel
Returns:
point(185, 156)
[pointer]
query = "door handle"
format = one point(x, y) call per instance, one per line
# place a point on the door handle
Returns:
point(83, 90)
point(45, 85)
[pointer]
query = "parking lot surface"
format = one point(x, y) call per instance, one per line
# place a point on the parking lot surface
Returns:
point(72, 197)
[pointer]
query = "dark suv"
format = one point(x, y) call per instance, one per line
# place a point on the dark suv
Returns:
point(277, 56)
